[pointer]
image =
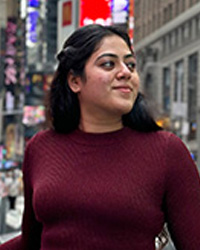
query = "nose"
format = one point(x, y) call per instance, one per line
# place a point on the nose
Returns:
point(123, 72)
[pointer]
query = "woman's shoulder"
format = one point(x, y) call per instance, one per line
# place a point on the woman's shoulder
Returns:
point(161, 140)
point(174, 147)
point(160, 136)
point(170, 140)
point(40, 136)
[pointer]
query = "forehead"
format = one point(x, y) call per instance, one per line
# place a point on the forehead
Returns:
point(112, 44)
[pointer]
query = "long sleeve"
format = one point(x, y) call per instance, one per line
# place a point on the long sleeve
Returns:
point(31, 228)
point(182, 200)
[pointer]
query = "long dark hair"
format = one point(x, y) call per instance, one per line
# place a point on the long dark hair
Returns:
point(63, 105)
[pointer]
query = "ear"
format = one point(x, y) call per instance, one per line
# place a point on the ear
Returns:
point(74, 82)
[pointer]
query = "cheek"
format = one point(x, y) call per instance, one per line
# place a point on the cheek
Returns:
point(102, 83)
point(103, 79)
point(136, 81)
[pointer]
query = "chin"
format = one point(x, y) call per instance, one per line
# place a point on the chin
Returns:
point(125, 110)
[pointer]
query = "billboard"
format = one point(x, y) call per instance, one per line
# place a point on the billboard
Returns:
point(98, 12)
point(74, 13)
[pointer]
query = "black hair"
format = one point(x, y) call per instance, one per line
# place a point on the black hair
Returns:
point(63, 104)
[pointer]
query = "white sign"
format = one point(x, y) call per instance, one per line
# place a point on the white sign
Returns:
point(120, 10)
point(185, 128)
point(67, 20)
point(179, 109)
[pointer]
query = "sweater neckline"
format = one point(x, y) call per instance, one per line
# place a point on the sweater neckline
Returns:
point(105, 138)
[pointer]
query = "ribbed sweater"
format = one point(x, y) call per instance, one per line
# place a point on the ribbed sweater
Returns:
point(109, 191)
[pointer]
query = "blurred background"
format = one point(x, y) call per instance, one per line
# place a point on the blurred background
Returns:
point(165, 35)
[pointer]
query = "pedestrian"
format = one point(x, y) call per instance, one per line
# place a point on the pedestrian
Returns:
point(105, 176)
point(13, 187)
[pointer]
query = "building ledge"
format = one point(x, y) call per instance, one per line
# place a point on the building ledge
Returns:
point(186, 15)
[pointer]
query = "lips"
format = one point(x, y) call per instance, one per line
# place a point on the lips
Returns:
point(123, 88)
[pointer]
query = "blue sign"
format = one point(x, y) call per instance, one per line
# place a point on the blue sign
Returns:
point(33, 3)
point(33, 18)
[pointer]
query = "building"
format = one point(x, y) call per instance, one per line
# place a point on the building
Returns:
point(167, 44)
point(28, 39)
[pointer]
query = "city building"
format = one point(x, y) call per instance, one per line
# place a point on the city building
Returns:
point(167, 44)
point(28, 44)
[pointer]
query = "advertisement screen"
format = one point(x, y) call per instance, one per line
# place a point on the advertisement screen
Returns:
point(98, 12)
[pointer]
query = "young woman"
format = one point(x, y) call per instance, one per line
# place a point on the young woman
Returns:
point(105, 176)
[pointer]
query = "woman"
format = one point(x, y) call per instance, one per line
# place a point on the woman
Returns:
point(105, 176)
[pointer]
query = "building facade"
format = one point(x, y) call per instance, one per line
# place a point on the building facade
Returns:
point(167, 44)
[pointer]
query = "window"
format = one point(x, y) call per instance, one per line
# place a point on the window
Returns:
point(177, 7)
point(164, 43)
point(165, 15)
point(197, 21)
point(148, 83)
point(178, 87)
point(176, 34)
point(192, 94)
point(166, 90)
point(183, 5)
point(190, 29)
point(183, 33)
point(170, 11)
point(171, 40)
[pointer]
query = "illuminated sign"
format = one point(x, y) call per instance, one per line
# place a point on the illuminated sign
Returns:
point(33, 3)
point(32, 23)
point(95, 12)
point(67, 13)
point(10, 68)
point(120, 10)
point(131, 20)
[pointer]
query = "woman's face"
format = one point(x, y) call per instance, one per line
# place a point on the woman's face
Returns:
point(111, 83)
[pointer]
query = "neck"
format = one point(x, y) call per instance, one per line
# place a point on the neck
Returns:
point(100, 126)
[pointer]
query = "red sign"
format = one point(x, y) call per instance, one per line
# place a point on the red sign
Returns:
point(131, 20)
point(67, 13)
point(95, 12)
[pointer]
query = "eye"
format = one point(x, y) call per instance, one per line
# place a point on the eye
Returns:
point(108, 64)
point(131, 66)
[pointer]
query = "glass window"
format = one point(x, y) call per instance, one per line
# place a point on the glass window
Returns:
point(166, 89)
point(178, 88)
point(182, 34)
point(192, 94)
point(149, 86)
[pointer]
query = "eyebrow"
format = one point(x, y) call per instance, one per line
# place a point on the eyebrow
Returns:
point(115, 56)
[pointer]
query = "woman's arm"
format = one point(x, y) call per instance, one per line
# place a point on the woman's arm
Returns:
point(182, 200)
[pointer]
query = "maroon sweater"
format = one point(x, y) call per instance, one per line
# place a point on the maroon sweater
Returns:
point(108, 191)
